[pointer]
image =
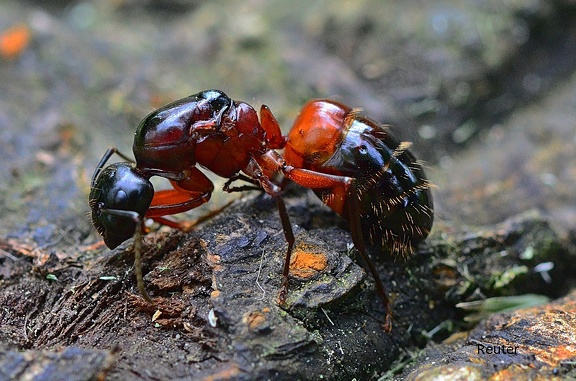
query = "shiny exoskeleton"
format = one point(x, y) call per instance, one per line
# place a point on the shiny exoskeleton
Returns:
point(354, 164)
point(207, 129)
point(361, 171)
point(392, 195)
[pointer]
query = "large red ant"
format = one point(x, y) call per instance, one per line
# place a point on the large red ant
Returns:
point(352, 163)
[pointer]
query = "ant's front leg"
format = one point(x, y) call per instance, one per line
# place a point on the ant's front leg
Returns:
point(186, 195)
point(138, 263)
point(255, 170)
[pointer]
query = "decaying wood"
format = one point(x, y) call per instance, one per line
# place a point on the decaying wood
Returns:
point(521, 345)
point(71, 364)
point(215, 290)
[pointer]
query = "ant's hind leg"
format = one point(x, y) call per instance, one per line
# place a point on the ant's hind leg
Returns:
point(358, 240)
point(289, 235)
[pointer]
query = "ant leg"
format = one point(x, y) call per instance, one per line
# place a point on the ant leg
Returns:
point(240, 176)
point(173, 201)
point(137, 246)
point(164, 203)
point(358, 240)
point(289, 235)
point(343, 187)
point(254, 169)
point(138, 263)
point(182, 202)
point(339, 185)
point(209, 215)
point(186, 195)
point(187, 226)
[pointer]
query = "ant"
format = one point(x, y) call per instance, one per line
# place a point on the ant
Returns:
point(352, 163)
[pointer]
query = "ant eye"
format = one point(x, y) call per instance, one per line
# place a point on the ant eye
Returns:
point(120, 198)
point(362, 150)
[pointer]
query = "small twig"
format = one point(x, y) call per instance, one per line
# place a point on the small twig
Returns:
point(259, 272)
point(328, 317)
point(8, 255)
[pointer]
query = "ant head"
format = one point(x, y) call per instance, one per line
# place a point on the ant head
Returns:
point(119, 198)
point(216, 98)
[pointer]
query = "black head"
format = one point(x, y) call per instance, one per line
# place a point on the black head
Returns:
point(119, 198)
point(216, 98)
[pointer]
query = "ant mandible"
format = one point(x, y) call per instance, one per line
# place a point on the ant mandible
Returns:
point(352, 163)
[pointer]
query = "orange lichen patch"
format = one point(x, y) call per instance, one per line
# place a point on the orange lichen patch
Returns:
point(545, 333)
point(542, 349)
point(477, 360)
point(93, 247)
point(230, 372)
point(14, 246)
point(304, 264)
point(214, 261)
point(215, 294)
point(254, 320)
point(455, 337)
point(555, 355)
point(551, 355)
point(558, 325)
point(513, 372)
point(39, 255)
point(14, 40)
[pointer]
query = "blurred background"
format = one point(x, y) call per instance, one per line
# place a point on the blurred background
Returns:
point(484, 89)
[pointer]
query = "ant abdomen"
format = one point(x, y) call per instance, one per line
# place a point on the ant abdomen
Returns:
point(394, 203)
